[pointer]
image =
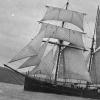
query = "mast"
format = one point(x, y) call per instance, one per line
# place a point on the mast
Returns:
point(92, 51)
point(91, 56)
point(93, 40)
point(92, 47)
point(60, 42)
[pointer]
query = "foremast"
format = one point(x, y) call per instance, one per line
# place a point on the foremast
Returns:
point(59, 52)
point(91, 56)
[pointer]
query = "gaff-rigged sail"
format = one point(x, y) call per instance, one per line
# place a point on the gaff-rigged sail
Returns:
point(54, 13)
point(65, 34)
point(35, 60)
point(74, 65)
point(95, 68)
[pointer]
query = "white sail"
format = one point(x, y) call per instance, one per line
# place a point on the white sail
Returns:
point(95, 68)
point(35, 60)
point(98, 29)
point(74, 64)
point(54, 13)
point(72, 36)
point(31, 49)
point(46, 65)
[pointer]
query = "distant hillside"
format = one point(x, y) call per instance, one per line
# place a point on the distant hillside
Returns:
point(9, 76)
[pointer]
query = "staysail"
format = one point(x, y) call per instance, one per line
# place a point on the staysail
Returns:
point(74, 65)
point(35, 60)
point(54, 13)
point(31, 49)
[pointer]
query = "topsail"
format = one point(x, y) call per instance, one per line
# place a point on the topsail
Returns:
point(54, 13)
point(65, 34)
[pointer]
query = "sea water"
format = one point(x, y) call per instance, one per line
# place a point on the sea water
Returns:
point(16, 92)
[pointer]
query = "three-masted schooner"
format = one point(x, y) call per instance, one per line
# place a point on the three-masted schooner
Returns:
point(63, 69)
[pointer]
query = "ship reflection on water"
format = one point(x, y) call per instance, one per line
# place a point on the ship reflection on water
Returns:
point(16, 92)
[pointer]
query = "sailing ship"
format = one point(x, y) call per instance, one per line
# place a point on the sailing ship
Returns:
point(63, 68)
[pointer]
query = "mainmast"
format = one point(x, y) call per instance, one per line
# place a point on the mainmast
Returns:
point(93, 41)
point(92, 47)
point(91, 56)
point(60, 42)
point(91, 53)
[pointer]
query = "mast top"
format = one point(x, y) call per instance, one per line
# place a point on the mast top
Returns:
point(67, 3)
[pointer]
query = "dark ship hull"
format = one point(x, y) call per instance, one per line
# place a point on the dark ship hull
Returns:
point(36, 85)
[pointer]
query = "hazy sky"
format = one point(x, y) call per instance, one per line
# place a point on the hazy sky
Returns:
point(18, 21)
